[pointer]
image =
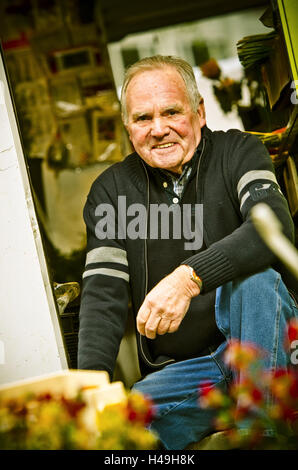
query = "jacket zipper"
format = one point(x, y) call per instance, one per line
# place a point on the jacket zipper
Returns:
point(200, 198)
point(198, 168)
point(152, 364)
point(146, 260)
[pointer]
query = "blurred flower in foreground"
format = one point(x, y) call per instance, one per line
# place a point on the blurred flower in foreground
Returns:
point(240, 356)
point(292, 333)
point(122, 426)
point(247, 394)
point(51, 422)
point(139, 409)
point(210, 396)
point(43, 422)
point(260, 409)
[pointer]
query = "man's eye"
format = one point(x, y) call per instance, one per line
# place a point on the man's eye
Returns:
point(144, 117)
point(172, 112)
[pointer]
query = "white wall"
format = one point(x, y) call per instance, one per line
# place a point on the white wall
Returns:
point(30, 338)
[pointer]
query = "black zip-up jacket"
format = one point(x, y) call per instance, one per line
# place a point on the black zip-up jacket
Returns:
point(234, 173)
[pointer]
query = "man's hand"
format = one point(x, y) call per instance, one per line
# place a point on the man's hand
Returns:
point(166, 304)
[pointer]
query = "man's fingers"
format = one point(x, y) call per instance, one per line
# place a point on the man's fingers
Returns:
point(163, 326)
point(173, 326)
point(156, 324)
point(152, 325)
point(142, 318)
point(159, 325)
point(151, 322)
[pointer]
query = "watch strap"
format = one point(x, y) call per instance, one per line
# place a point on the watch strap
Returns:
point(194, 277)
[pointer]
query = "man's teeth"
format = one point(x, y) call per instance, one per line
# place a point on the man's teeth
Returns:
point(162, 146)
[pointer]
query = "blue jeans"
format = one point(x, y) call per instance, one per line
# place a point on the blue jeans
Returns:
point(254, 309)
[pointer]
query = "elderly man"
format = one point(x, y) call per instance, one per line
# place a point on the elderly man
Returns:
point(170, 226)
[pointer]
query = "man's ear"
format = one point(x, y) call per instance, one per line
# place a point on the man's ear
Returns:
point(126, 128)
point(202, 113)
point(128, 135)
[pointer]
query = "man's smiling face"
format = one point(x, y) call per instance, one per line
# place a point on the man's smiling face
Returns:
point(162, 126)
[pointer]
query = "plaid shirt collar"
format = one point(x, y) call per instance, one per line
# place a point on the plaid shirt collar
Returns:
point(179, 181)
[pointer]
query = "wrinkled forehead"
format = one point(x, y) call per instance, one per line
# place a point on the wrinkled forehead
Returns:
point(163, 72)
point(164, 86)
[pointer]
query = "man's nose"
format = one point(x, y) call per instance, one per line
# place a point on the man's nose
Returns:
point(159, 127)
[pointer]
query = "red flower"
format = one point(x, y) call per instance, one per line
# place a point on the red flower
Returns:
point(246, 395)
point(256, 395)
point(131, 415)
point(210, 396)
point(289, 414)
point(293, 329)
point(284, 387)
point(291, 333)
point(72, 406)
point(149, 416)
point(139, 409)
point(205, 388)
point(293, 390)
point(280, 373)
point(44, 397)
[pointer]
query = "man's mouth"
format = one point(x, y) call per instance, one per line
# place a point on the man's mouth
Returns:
point(163, 146)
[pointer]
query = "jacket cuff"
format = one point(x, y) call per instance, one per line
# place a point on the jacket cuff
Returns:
point(213, 267)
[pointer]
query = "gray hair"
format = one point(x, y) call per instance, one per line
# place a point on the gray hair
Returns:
point(158, 62)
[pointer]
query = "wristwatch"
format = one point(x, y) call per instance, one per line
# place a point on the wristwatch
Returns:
point(194, 277)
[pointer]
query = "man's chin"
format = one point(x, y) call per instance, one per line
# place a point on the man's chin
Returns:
point(166, 163)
